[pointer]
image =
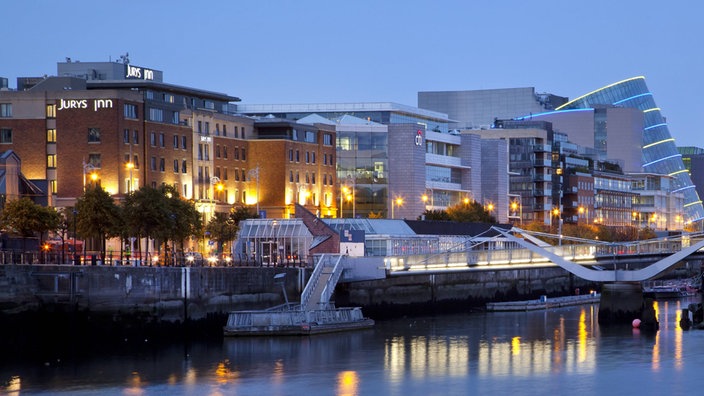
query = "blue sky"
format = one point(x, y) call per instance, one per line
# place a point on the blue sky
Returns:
point(375, 51)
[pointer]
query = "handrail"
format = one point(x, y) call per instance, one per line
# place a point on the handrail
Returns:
point(312, 282)
point(332, 282)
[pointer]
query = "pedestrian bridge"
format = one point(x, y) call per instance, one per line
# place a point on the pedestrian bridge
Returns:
point(588, 259)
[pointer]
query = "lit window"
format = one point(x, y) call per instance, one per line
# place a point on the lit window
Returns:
point(51, 135)
point(51, 161)
point(51, 111)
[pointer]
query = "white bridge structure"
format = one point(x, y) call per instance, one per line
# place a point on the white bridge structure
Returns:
point(519, 249)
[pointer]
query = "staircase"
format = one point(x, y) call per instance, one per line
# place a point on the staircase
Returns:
point(322, 282)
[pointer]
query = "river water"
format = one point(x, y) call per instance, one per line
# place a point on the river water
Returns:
point(556, 351)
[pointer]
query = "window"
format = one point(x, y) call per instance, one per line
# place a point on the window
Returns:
point(162, 164)
point(135, 161)
point(152, 139)
point(206, 152)
point(200, 152)
point(126, 136)
point(325, 159)
point(51, 135)
point(93, 135)
point(51, 161)
point(176, 166)
point(217, 151)
point(130, 111)
point(5, 109)
point(200, 126)
point(53, 186)
point(168, 98)
point(224, 130)
point(242, 132)
point(237, 175)
point(237, 153)
point(224, 173)
point(51, 111)
point(307, 157)
point(236, 130)
point(290, 155)
point(312, 180)
point(152, 163)
point(224, 152)
point(312, 157)
point(217, 129)
point(207, 128)
point(175, 118)
point(310, 137)
point(243, 176)
point(209, 105)
point(161, 140)
point(184, 142)
point(184, 167)
point(156, 115)
point(94, 159)
point(135, 137)
point(175, 142)
point(244, 155)
point(327, 139)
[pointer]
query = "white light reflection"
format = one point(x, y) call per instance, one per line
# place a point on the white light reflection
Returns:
point(14, 386)
point(568, 347)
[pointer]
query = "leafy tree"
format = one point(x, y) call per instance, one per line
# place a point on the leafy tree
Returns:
point(98, 216)
point(436, 214)
point(25, 218)
point(470, 212)
point(222, 228)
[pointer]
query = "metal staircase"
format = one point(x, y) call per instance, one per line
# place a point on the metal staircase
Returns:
point(321, 285)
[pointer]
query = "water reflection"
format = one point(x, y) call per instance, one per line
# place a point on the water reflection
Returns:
point(399, 357)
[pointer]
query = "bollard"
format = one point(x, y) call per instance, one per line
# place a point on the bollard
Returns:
point(685, 323)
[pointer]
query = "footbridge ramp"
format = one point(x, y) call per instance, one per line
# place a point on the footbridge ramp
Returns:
point(590, 274)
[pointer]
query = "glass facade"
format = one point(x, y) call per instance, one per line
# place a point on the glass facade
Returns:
point(660, 155)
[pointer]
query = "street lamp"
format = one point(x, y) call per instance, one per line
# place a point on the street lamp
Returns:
point(516, 206)
point(75, 254)
point(398, 202)
point(93, 176)
point(130, 167)
point(255, 174)
point(556, 213)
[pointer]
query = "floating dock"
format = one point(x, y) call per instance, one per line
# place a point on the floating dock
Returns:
point(543, 303)
point(295, 322)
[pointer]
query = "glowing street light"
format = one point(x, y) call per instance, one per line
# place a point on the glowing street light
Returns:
point(397, 202)
point(130, 167)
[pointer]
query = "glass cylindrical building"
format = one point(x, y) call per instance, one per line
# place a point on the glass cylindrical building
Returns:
point(660, 154)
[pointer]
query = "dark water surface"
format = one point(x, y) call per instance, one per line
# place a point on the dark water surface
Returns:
point(561, 351)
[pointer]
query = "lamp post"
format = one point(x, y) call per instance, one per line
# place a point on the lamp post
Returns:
point(88, 168)
point(516, 206)
point(130, 167)
point(556, 213)
point(75, 254)
point(255, 174)
point(397, 202)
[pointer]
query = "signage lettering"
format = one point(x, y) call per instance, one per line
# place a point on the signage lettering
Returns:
point(419, 138)
point(98, 104)
point(139, 72)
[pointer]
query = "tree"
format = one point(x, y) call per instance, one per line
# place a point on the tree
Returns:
point(25, 218)
point(470, 212)
point(98, 216)
point(436, 214)
point(222, 228)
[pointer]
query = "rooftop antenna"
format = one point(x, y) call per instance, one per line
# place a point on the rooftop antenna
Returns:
point(125, 58)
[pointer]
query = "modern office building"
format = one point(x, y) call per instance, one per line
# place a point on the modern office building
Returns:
point(477, 109)
point(615, 133)
point(660, 155)
point(417, 163)
point(693, 159)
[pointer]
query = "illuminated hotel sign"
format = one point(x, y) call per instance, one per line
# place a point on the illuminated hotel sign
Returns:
point(141, 73)
point(419, 138)
point(95, 104)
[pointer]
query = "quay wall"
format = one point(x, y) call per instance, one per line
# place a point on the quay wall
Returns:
point(179, 294)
